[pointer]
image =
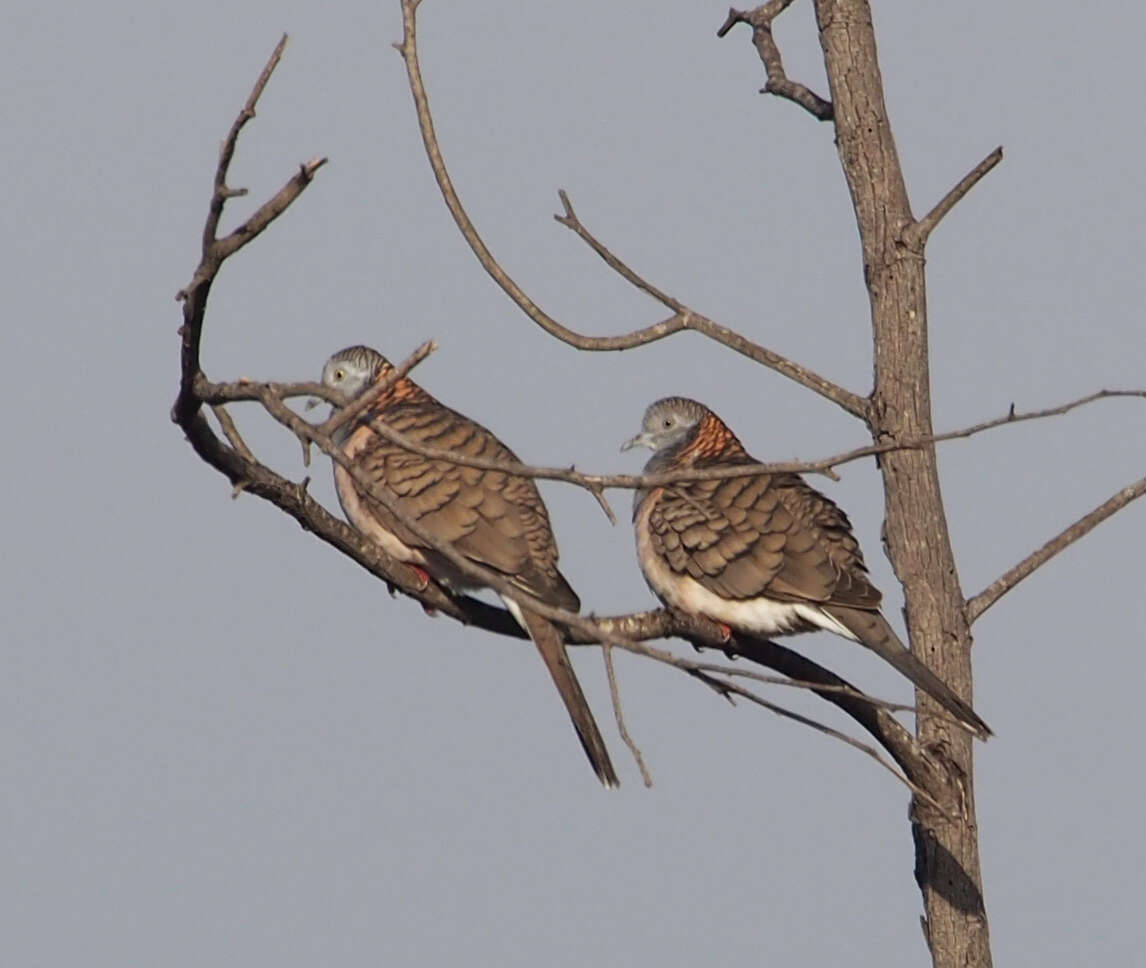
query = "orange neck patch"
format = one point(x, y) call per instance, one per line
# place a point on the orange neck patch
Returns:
point(402, 391)
point(712, 440)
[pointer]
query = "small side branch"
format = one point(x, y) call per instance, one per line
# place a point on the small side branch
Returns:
point(977, 605)
point(220, 393)
point(231, 432)
point(728, 689)
point(221, 192)
point(690, 319)
point(215, 251)
point(683, 318)
point(760, 20)
point(619, 715)
point(875, 718)
point(916, 235)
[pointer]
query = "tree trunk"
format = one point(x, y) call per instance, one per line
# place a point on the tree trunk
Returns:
point(947, 850)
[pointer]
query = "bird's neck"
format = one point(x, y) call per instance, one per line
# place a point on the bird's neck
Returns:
point(404, 390)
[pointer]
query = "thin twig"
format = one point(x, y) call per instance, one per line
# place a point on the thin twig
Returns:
point(231, 432)
point(213, 252)
point(690, 319)
point(271, 209)
point(879, 722)
point(819, 687)
point(917, 234)
point(221, 192)
point(760, 20)
point(570, 220)
point(254, 391)
point(978, 604)
point(619, 715)
point(733, 688)
point(687, 319)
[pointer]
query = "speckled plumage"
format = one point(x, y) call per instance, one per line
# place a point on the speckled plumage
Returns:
point(494, 519)
point(765, 554)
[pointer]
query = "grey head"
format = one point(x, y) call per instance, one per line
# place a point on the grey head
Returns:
point(668, 426)
point(353, 370)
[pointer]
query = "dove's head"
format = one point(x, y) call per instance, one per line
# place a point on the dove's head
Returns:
point(669, 425)
point(353, 370)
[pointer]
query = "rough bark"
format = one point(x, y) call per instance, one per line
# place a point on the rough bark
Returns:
point(947, 850)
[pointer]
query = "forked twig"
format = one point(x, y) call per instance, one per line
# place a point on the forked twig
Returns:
point(680, 320)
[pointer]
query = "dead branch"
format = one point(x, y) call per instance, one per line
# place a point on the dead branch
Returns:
point(690, 319)
point(215, 251)
point(680, 320)
point(760, 20)
point(619, 715)
point(727, 689)
point(247, 390)
point(978, 604)
point(916, 235)
point(231, 432)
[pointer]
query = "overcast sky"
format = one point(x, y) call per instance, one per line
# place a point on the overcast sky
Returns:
point(225, 744)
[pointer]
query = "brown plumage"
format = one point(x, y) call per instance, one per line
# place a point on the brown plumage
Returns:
point(494, 519)
point(765, 554)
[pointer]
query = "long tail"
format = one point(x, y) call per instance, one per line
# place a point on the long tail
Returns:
point(547, 637)
point(872, 630)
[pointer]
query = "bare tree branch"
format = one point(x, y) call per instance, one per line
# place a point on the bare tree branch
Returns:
point(916, 235)
point(227, 151)
point(215, 393)
point(682, 319)
point(728, 689)
point(978, 604)
point(214, 251)
point(915, 762)
point(690, 319)
point(760, 20)
point(231, 432)
point(741, 673)
point(619, 715)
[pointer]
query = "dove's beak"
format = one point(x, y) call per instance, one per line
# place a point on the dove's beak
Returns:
point(644, 439)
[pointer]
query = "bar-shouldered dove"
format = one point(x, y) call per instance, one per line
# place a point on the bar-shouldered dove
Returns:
point(492, 518)
point(764, 554)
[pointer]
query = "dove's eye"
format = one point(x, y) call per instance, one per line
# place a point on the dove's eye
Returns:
point(339, 375)
point(667, 422)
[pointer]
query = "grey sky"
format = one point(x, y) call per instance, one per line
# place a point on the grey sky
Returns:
point(224, 744)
